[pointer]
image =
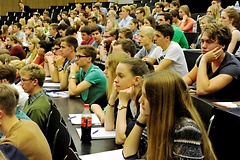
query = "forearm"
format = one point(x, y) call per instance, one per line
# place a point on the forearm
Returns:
point(121, 126)
point(46, 69)
point(203, 81)
point(63, 77)
point(51, 68)
point(131, 144)
point(72, 85)
point(54, 75)
point(187, 80)
point(109, 118)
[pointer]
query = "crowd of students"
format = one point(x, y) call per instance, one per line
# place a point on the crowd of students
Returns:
point(141, 92)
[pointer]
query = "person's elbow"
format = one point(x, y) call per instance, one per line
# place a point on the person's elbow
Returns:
point(202, 92)
point(71, 93)
point(119, 141)
point(127, 153)
point(108, 127)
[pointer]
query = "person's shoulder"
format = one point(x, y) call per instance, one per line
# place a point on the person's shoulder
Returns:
point(177, 30)
point(12, 152)
point(96, 69)
point(175, 46)
point(186, 125)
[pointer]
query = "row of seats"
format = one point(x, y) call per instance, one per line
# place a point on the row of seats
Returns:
point(222, 128)
point(58, 137)
point(13, 17)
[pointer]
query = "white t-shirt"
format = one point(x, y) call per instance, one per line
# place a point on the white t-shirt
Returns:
point(23, 97)
point(175, 53)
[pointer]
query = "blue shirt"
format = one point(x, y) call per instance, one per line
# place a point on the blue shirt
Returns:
point(125, 22)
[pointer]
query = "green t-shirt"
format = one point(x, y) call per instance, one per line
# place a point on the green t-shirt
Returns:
point(96, 77)
point(179, 37)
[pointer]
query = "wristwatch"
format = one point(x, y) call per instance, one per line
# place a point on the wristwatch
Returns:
point(120, 106)
point(60, 69)
point(72, 77)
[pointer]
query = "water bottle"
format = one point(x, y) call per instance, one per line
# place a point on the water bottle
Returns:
point(86, 124)
point(236, 6)
point(195, 26)
point(104, 56)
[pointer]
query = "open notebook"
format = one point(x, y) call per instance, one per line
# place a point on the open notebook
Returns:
point(108, 155)
point(76, 119)
point(99, 133)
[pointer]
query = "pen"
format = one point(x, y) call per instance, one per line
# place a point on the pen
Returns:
point(72, 117)
point(95, 132)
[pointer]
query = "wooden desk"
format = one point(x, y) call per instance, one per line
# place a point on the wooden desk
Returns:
point(68, 106)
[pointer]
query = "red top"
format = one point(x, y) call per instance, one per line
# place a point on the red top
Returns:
point(17, 51)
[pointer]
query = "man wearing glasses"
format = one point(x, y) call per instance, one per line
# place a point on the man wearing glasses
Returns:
point(159, 6)
point(37, 107)
point(85, 78)
point(140, 13)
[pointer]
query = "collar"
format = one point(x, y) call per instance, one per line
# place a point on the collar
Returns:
point(89, 69)
point(32, 98)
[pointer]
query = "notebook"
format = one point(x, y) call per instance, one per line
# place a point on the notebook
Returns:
point(228, 104)
point(51, 85)
point(108, 155)
point(76, 119)
point(99, 133)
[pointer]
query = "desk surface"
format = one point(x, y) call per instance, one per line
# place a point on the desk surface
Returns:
point(234, 111)
point(68, 106)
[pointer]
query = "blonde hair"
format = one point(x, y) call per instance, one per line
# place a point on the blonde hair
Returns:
point(232, 14)
point(147, 30)
point(215, 12)
point(127, 8)
point(114, 23)
point(17, 64)
point(113, 60)
point(185, 9)
point(147, 11)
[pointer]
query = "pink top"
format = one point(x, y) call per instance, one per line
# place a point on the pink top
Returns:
point(188, 27)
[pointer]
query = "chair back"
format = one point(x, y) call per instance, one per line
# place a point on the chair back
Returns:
point(204, 109)
point(52, 125)
point(72, 155)
point(224, 133)
point(191, 57)
point(191, 37)
point(61, 143)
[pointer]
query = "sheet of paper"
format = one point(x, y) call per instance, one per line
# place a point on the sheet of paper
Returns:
point(228, 104)
point(51, 85)
point(60, 94)
point(108, 155)
point(76, 119)
point(48, 78)
point(99, 133)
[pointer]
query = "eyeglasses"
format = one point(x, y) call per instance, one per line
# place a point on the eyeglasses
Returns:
point(137, 12)
point(106, 37)
point(79, 56)
point(55, 49)
point(24, 80)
